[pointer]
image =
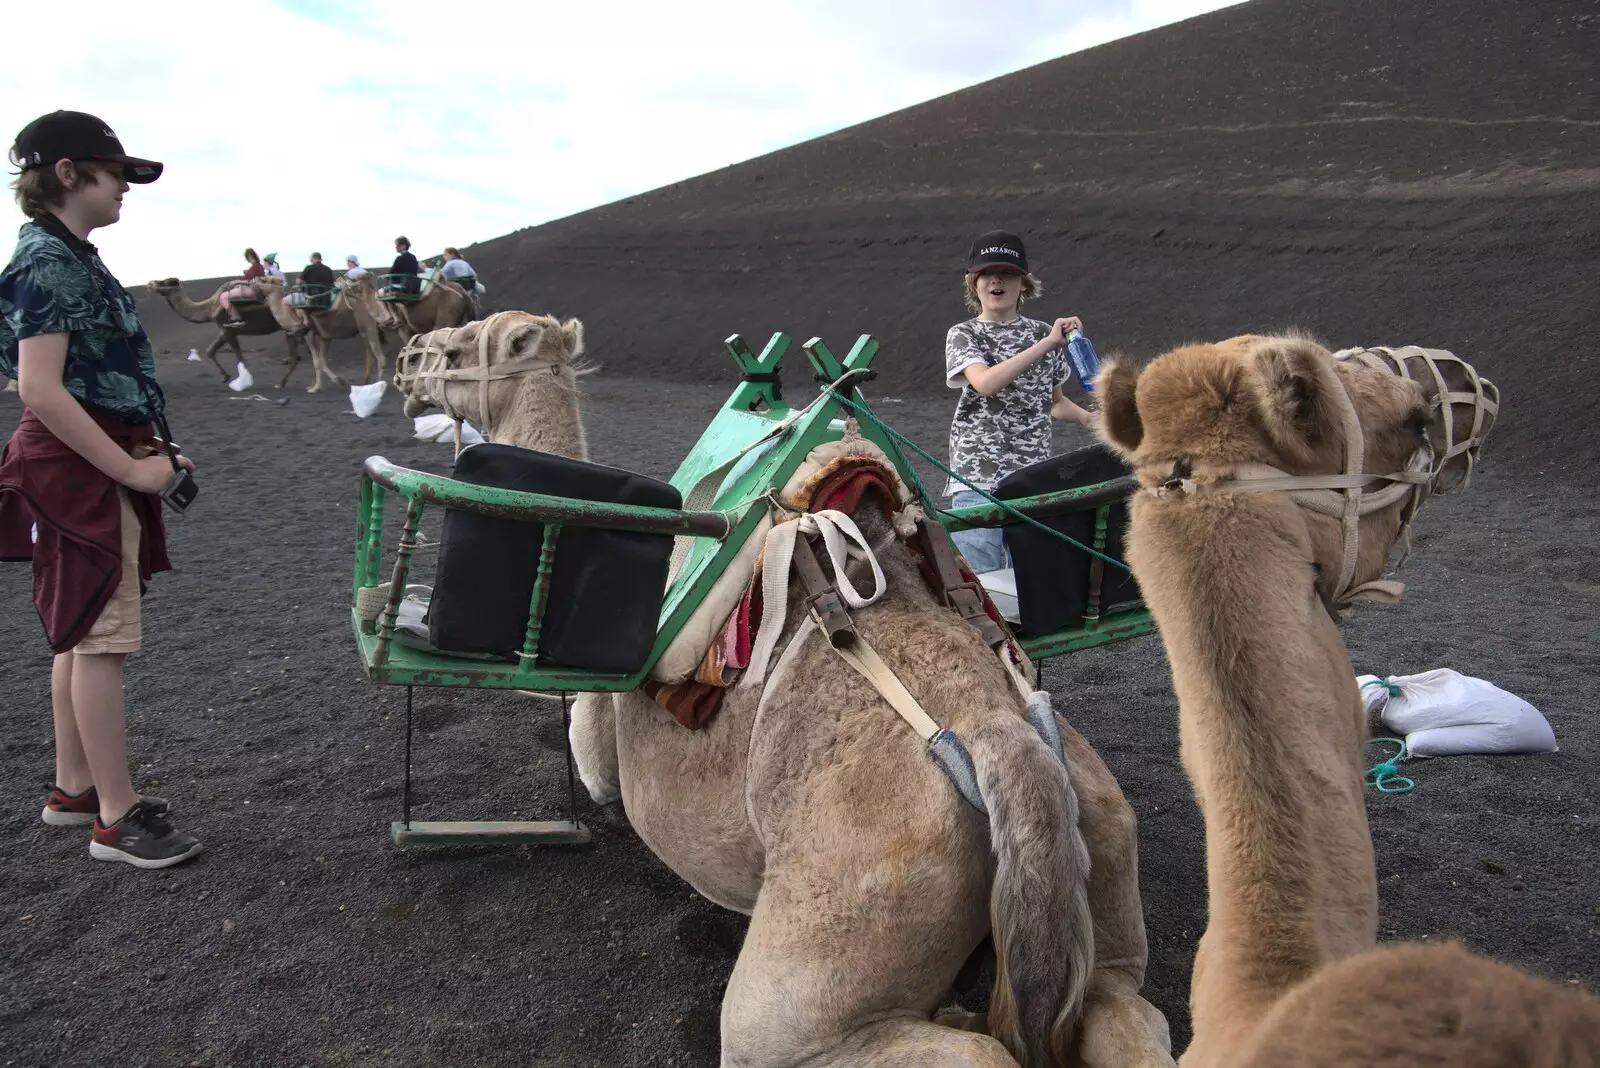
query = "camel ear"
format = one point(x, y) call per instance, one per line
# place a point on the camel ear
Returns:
point(1119, 425)
point(524, 339)
point(1298, 406)
point(572, 335)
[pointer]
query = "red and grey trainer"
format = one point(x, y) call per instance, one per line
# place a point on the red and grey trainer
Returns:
point(142, 838)
point(79, 810)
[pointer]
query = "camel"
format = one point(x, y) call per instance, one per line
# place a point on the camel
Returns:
point(350, 315)
point(1246, 583)
point(442, 304)
point(810, 806)
point(815, 809)
point(259, 320)
point(513, 376)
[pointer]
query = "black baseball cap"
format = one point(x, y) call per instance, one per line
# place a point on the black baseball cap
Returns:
point(75, 135)
point(997, 248)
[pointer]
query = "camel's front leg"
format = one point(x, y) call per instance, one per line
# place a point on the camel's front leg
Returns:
point(224, 338)
point(319, 361)
point(1120, 1028)
point(593, 736)
point(294, 361)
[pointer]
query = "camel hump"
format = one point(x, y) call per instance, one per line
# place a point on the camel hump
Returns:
point(1039, 904)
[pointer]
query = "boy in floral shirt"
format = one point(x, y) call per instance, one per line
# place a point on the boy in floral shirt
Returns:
point(79, 479)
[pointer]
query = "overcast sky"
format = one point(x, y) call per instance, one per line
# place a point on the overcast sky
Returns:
point(336, 124)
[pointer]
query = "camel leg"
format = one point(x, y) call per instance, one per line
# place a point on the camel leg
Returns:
point(294, 361)
point(223, 338)
point(593, 736)
point(319, 360)
point(374, 342)
point(1119, 1027)
point(847, 971)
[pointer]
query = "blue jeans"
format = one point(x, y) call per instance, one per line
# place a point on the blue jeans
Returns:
point(984, 548)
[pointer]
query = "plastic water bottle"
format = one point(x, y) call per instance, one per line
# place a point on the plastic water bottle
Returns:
point(1084, 360)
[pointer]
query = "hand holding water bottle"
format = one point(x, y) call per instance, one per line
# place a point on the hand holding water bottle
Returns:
point(1084, 357)
point(1061, 327)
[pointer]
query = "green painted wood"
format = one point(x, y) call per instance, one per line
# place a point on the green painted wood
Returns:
point(489, 832)
point(541, 591)
point(401, 665)
point(823, 361)
point(759, 386)
point(1118, 626)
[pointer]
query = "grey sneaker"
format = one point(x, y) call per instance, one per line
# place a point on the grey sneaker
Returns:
point(142, 838)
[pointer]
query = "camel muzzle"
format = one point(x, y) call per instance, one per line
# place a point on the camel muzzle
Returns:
point(1354, 494)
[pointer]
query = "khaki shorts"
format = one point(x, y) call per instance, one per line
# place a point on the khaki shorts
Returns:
point(118, 628)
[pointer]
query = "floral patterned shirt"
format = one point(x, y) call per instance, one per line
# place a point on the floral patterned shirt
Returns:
point(50, 287)
point(990, 437)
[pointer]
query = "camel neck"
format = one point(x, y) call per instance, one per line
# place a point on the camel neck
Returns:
point(1272, 734)
point(545, 417)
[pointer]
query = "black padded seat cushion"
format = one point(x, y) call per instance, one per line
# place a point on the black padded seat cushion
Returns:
point(1052, 576)
point(607, 586)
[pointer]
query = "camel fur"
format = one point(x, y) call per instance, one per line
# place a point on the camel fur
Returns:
point(259, 320)
point(809, 805)
point(1271, 729)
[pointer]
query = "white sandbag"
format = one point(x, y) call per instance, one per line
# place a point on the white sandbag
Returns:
point(1002, 587)
point(364, 399)
point(194, 356)
point(1445, 713)
point(436, 426)
point(243, 380)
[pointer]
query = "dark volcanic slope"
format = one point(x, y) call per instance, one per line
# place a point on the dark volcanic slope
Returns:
point(1378, 172)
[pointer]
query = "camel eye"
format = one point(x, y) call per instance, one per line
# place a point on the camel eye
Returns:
point(1418, 422)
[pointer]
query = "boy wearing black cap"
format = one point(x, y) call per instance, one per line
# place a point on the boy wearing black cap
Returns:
point(83, 469)
point(1010, 371)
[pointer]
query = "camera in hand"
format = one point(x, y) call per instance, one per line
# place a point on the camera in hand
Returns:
point(180, 490)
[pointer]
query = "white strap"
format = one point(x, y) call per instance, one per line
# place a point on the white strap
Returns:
point(864, 658)
point(844, 542)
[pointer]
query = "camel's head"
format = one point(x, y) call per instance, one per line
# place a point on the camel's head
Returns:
point(165, 285)
point(475, 372)
point(1241, 415)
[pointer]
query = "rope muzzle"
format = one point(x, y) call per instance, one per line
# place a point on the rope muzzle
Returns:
point(1354, 494)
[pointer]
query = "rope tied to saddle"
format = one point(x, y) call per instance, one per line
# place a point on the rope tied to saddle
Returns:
point(897, 439)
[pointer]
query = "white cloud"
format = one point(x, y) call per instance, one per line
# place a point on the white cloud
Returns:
point(336, 126)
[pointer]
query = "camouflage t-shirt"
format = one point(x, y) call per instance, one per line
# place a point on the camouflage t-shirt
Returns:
point(990, 437)
point(48, 289)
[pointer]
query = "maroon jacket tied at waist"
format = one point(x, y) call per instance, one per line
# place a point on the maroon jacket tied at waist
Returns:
point(77, 561)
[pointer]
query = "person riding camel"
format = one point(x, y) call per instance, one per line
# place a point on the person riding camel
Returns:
point(315, 273)
point(241, 289)
point(403, 274)
point(459, 271)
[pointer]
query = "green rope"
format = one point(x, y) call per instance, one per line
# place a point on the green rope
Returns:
point(1386, 683)
point(895, 437)
point(1385, 775)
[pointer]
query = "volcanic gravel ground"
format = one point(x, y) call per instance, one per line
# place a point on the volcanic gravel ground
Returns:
point(1379, 172)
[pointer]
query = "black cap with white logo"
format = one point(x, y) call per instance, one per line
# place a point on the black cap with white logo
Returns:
point(997, 248)
point(77, 136)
